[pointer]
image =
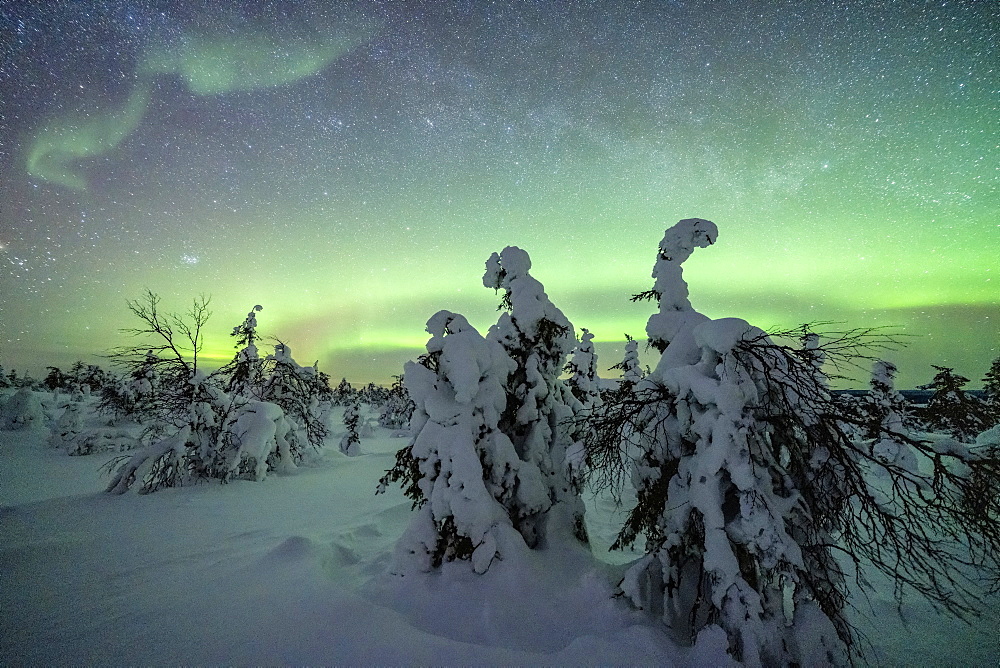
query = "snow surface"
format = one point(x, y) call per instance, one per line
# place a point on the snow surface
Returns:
point(295, 570)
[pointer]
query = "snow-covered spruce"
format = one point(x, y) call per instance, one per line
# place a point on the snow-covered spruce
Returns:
point(582, 368)
point(630, 367)
point(886, 409)
point(728, 539)
point(749, 483)
point(395, 413)
point(302, 392)
point(951, 409)
point(991, 389)
point(676, 318)
point(460, 469)
point(538, 337)
point(350, 443)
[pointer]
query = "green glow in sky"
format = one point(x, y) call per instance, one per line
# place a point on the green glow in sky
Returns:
point(351, 166)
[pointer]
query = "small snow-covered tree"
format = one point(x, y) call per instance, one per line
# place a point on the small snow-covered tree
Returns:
point(538, 337)
point(343, 394)
point(950, 409)
point(22, 410)
point(245, 371)
point(396, 411)
point(461, 471)
point(991, 389)
point(350, 444)
point(67, 429)
point(303, 393)
point(582, 367)
point(886, 409)
point(630, 367)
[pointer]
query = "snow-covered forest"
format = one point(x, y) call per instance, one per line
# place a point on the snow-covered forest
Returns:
point(501, 503)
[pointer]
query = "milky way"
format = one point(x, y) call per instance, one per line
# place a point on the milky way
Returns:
point(351, 166)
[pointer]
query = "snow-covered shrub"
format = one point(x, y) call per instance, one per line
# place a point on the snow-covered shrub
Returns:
point(951, 410)
point(461, 471)
point(22, 410)
point(537, 337)
point(67, 428)
point(223, 437)
point(350, 443)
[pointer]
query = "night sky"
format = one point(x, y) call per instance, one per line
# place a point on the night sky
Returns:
point(351, 166)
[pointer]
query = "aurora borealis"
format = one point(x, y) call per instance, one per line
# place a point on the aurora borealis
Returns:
point(351, 166)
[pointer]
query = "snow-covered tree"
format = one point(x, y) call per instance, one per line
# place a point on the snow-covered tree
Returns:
point(167, 359)
point(584, 382)
point(22, 410)
point(350, 444)
point(991, 389)
point(748, 486)
point(343, 394)
point(886, 409)
point(245, 371)
point(224, 437)
point(538, 337)
point(303, 393)
point(373, 395)
point(460, 469)
point(395, 413)
point(950, 409)
point(630, 367)
point(67, 429)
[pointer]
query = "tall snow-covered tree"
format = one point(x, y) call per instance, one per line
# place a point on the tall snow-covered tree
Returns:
point(343, 394)
point(748, 485)
point(950, 409)
point(461, 471)
point(538, 337)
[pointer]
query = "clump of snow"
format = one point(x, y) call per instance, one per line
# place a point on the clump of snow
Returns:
point(669, 330)
point(990, 437)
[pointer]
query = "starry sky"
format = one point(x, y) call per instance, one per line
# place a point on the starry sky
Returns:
point(350, 166)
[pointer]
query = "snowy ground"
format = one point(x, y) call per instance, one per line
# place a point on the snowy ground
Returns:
point(293, 570)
